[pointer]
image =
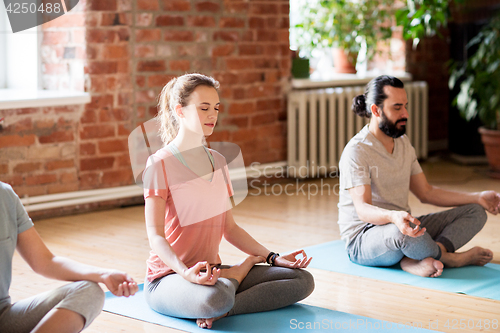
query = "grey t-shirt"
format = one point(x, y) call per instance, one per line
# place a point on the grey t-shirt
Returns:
point(13, 221)
point(365, 161)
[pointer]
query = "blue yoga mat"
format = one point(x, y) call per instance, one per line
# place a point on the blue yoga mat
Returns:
point(480, 281)
point(297, 317)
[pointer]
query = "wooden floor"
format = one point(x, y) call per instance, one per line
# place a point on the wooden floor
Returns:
point(117, 238)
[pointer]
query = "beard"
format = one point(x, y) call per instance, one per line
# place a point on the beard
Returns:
point(390, 128)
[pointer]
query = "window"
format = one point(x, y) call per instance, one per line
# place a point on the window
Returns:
point(19, 56)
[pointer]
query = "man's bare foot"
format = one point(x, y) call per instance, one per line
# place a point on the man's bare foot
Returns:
point(475, 256)
point(429, 267)
point(240, 271)
point(207, 322)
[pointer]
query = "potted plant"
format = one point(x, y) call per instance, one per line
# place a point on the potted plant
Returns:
point(344, 25)
point(478, 80)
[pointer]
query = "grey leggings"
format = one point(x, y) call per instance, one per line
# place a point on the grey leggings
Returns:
point(264, 288)
point(85, 298)
point(385, 245)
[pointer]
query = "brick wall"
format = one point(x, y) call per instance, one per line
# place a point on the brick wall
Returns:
point(131, 48)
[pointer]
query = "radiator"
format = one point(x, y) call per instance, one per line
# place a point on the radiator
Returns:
point(321, 123)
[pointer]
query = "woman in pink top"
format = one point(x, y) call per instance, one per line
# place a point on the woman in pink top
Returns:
point(187, 191)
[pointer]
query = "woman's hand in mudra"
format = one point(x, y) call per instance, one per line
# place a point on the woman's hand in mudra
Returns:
point(207, 277)
point(291, 261)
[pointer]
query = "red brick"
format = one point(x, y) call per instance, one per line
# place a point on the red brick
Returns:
point(30, 191)
point(41, 179)
point(244, 134)
point(114, 19)
point(143, 19)
point(16, 140)
point(267, 36)
point(144, 51)
point(207, 6)
point(68, 177)
point(100, 35)
point(102, 67)
point(201, 21)
point(179, 65)
point(61, 136)
point(100, 101)
point(123, 130)
point(140, 81)
point(239, 63)
point(72, 19)
point(159, 80)
point(251, 77)
point(123, 34)
point(97, 131)
point(118, 177)
point(148, 5)
point(62, 188)
point(4, 168)
point(27, 167)
point(257, 22)
point(241, 122)
point(97, 163)
point(263, 119)
point(263, 9)
point(219, 136)
point(222, 50)
point(203, 65)
point(270, 104)
point(272, 130)
point(62, 164)
point(151, 66)
point(44, 123)
point(147, 35)
point(266, 63)
point(124, 161)
point(13, 180)
point(102, 5)
point(89, 180)
point(123, 66)
point(87, 149)
point(55, 37)
point(124, 98)
point(242, 108)
point(231, 22)
point(113, 146)
point(178, 36)
point(22, 125)
point(115, 51)
point(251, 49)
point(176, 5)
point(145, 96)
point(229, 36)
point(169, 21)
point(236, 7)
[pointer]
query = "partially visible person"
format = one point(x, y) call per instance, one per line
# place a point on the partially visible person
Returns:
point(378, 168)
point(70, 308)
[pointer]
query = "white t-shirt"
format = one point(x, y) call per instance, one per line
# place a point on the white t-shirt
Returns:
point(365, 161)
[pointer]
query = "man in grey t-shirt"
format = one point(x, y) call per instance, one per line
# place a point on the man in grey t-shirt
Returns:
point(69, 308)
point(378, 168)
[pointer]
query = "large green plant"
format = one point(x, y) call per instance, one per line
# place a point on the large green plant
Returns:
point(343, 23)
point(479, 78)
point(423, 18)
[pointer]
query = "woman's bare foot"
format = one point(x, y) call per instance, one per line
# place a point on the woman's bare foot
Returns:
point(207, 322)
point(240, 271)
point(429, 267)
point(475, 256)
